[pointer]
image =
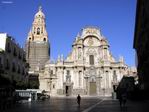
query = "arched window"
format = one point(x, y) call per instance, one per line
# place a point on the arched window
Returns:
point(15, 51)
point(44, 39)
point(91, 59)
point(7, 64)
point(8, 48)
point(38, 31)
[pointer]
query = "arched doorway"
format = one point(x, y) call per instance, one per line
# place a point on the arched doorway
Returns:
point(93, 87)
point(68, 89)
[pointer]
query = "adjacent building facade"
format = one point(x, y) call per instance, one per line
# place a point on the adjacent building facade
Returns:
point(141, 44)
point(89, 69)
point(12, 60)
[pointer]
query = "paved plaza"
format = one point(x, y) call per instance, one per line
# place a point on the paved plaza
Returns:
point(88, 104)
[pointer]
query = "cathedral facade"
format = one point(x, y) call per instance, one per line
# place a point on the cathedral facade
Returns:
point(89, 69)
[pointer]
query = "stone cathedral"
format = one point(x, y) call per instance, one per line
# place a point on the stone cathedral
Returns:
point(89, 69)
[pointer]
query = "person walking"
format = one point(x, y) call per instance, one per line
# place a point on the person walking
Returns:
point(119, 95)
point(124, 99)
point(122, 96)
point(79, 99)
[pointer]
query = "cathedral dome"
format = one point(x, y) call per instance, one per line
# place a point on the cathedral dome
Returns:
point(39, 14)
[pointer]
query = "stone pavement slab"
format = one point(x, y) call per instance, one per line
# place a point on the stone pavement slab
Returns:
point(63, 104)
point(109, 105)
point(88, 104)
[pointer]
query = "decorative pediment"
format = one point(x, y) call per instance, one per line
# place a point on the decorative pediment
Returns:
point(88, 31)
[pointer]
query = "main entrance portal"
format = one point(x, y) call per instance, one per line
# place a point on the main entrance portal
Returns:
point(92, 88)
point(68, 88)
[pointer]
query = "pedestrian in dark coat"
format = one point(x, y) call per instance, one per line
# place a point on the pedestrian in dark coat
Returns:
point(78, 99)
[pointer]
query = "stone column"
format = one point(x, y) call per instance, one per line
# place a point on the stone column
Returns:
point(87, 85)
point(107, 81)
point(97, 86)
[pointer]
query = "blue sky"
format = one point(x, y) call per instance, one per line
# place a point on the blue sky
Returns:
point(65, 18)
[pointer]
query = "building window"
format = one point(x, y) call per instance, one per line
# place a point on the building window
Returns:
point(53, 86)
point(51, 72)
point(68, 77)
point(105, 53)
point(91, 58)
point(44, 39)
point(7, 64)
point(80, 75)
point(20, 55)
point(15, 52)
point(13, 67)
point(8, 47)
point(24, 57)
point(38, 31)
point(34, 29)
point(18, 69)
point(68, 72)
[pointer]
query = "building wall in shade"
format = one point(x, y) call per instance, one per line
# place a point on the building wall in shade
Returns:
point(141, 43)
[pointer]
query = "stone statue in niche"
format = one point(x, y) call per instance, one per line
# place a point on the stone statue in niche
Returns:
point(68, 78)
point(79, 53)
point(90, 41)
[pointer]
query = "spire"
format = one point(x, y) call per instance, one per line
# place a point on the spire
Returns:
point(38, 30)
point(40, 8)
point(39, 14)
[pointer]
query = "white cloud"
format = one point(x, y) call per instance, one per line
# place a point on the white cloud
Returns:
point(6, 2)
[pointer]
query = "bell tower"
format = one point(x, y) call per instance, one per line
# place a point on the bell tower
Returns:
point(37, 43)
